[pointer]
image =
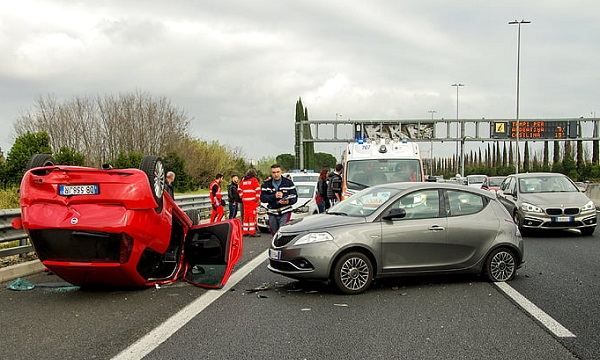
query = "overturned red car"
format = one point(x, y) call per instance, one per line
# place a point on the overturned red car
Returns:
point(118, 227)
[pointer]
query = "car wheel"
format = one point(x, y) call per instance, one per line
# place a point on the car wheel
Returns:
point(155, 171)
point(264, 230)
point(353, 273)
point(501, 265)
point(523, 230)
point(588, 231)
point(39, 160)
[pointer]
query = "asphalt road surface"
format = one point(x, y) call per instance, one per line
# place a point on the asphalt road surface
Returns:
point(458, 317)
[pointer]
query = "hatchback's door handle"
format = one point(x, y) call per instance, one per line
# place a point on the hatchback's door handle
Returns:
point(436, 228)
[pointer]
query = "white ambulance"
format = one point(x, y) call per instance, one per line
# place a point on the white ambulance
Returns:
point(368, 163)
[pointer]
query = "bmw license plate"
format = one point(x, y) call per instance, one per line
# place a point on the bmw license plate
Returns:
point(70, 190)
point(274, 254)
point(563, 219)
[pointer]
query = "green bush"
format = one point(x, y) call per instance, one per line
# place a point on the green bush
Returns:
point(9, 198)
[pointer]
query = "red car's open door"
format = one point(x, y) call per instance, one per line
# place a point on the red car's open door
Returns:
point(211, 251)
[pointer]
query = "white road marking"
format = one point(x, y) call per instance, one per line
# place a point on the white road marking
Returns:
point(552, 325)
point(162, 332)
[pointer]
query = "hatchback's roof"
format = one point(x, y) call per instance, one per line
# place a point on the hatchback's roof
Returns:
point(435, 185)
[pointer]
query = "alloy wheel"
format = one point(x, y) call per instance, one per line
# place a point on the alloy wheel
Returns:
point(502, 266)
point(354, 273)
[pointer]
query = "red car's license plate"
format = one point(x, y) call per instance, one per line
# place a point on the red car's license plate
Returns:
point(70, 190)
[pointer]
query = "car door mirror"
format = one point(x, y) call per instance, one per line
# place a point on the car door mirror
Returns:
point(395, 214)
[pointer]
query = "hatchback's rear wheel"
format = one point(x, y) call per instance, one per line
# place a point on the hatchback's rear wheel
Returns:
point(353, 273)
point(155, 171)
point(501, 265)
point(39, 160)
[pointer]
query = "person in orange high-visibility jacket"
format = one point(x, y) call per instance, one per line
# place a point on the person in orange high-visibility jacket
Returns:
point(216, 199)
point(249, 190)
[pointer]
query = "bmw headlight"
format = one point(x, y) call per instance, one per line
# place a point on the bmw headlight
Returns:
point(302, 209)
point(531, 208)
point(314, 238)
point(588, 207)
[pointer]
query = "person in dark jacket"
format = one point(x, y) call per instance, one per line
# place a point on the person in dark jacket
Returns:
point(334, 186)
point(169, 184)
point(233, 196)
point(322, 199)
point(280, 194)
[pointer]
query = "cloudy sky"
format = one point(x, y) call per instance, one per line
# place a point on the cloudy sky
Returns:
point(238, 67)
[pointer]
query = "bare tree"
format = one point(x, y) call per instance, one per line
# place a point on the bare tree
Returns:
point(102, 127)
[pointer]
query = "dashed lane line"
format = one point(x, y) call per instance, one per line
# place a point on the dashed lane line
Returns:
point(162, 332)
point(552, 325)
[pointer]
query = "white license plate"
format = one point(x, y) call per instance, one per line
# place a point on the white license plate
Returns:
point(563, 219)
point(274, 254)
point(70, 190)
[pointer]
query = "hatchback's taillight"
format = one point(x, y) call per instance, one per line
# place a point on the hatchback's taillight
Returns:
point(125, 250)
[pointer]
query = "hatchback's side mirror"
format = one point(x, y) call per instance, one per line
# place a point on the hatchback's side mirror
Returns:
point(394, 214)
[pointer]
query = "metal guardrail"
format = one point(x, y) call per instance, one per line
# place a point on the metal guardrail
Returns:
point(196, 206)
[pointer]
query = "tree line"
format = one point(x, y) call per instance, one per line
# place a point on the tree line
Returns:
point(499, 159)
point(120, 130)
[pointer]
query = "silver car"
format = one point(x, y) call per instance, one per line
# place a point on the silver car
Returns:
point(547, 201)
point(399, 229)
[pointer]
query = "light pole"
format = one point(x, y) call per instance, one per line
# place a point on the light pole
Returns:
point(518, 69)
point(462, 133)
point(431, 144)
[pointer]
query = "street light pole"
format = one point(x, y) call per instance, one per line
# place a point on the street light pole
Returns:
point(462, 133)
point(431, 144)
point(518, 23)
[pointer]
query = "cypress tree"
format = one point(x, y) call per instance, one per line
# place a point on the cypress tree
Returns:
point(526, 157)
point(488, 157)
point(479, 161)
point(504, 159)
point(556, 153)
point(498, 160)
point(545, 165)
point(595, 152)
point(580, 160)
point(511, 155)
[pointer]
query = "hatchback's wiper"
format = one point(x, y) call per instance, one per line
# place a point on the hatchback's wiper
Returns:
point(337, 213)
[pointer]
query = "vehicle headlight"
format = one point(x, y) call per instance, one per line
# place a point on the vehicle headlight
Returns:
point(301, 209)
point(589, 206)
point(531, 208)
point(314, 238)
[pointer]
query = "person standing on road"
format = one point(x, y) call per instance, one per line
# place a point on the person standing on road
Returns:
point(280, 194)
point(233, 196)
point(322, 199)
point(249, 191)
point(169, 184)
point(216, 199)
point(334, 186)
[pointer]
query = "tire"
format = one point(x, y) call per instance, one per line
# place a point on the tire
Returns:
point(194, 215)
point(39, 160)
point(501, 265)
point(155, 171)
point(353, 273)
point(523, 230)
point(588, 231)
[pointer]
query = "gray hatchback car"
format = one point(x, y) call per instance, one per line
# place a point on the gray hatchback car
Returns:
point(401, 229)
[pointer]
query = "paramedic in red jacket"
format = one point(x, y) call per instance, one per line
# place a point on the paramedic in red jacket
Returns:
point(249, 190)
point(216, 199)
